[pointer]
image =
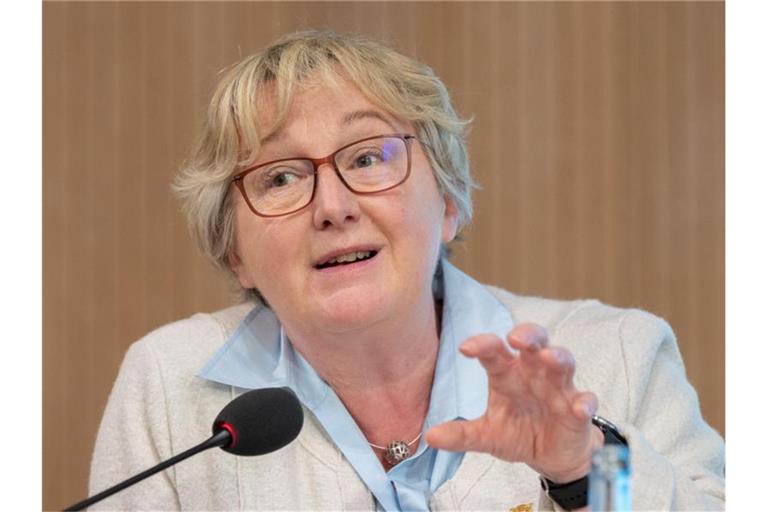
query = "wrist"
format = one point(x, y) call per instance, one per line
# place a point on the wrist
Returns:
point(572, 495)
point(580, 469)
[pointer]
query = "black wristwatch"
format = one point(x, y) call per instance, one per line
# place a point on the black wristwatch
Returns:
point(573, 495)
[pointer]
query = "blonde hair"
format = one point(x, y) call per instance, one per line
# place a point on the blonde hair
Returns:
point(406, 89)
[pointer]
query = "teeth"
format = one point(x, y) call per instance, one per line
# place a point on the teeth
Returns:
point(350, 257)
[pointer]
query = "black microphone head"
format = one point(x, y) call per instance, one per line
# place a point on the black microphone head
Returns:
point(260, 421)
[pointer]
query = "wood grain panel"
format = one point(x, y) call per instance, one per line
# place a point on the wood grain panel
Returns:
point(598, 140)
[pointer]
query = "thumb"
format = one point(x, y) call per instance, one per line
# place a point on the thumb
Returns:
point(456, 436)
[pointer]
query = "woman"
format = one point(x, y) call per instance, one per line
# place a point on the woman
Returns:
point(329, 179)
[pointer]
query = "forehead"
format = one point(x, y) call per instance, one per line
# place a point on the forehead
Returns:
point(320, 101)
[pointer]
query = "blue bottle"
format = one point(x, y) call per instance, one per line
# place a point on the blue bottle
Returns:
point(609, 479)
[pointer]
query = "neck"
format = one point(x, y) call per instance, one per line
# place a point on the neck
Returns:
point(382, 374)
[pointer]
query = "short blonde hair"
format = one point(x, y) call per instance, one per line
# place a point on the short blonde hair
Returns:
point(406, 89)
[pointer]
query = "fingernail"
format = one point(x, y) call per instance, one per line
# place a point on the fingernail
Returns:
point(538, 340)
point(522, 340)
point(469, 346)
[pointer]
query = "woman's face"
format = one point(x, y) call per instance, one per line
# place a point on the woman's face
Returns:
point(404, 225)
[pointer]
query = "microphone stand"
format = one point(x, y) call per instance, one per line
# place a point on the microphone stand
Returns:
point(221, 438)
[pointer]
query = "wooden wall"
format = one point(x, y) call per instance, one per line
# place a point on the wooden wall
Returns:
point(598, 139)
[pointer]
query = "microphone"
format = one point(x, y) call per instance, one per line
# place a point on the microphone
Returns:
point(255, 423)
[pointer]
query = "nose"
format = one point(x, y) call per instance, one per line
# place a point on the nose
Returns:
point(334, 204)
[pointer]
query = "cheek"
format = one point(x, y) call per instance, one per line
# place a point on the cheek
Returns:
point(421, 217)
point(429, 208)
point(262, 245)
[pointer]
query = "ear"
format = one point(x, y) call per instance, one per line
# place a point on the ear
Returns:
point(238, 268)
point(450, 220)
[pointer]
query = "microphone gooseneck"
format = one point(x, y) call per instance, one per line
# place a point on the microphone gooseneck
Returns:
point(255, 423)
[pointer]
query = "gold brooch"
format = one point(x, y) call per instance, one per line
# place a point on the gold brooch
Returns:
point(525, 507)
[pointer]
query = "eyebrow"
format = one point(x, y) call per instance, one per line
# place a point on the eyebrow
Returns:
point(348, 118)
point(273, 136)
point(364, 114)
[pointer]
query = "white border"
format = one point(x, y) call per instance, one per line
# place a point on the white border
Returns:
point(21, 254)
point(746, 254)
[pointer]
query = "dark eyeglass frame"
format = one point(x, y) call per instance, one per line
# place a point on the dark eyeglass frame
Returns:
point(407, 139)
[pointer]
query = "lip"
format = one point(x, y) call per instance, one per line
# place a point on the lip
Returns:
point(360, 269)
point(336, 253)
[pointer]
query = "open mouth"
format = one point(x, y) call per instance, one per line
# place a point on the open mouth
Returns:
point(347, 259)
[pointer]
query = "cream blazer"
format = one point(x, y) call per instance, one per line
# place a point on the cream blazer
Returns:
point(628, 358)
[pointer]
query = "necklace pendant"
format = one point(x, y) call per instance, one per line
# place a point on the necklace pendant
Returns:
point(396, 452)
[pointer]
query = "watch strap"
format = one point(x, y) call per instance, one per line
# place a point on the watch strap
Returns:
point(570, 495)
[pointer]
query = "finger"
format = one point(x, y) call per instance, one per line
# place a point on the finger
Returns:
point(528, 337)
point(456, 436)
point(491, 351)
point(560, 366)
point(584, 406)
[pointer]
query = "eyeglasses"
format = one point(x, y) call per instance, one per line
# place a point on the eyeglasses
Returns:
point(366, 166)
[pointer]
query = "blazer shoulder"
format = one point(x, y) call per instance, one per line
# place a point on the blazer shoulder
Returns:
point(581, 314)
point(548, 313)
point(189, 342)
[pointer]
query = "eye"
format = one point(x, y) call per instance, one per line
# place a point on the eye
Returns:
point(369, 158)
point(281, 179)
point(365, 161)
point(282, 176)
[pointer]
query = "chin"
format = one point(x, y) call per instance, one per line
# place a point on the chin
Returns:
point(353, 309)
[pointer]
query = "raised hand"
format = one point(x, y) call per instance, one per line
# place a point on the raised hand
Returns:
point(535, 415)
